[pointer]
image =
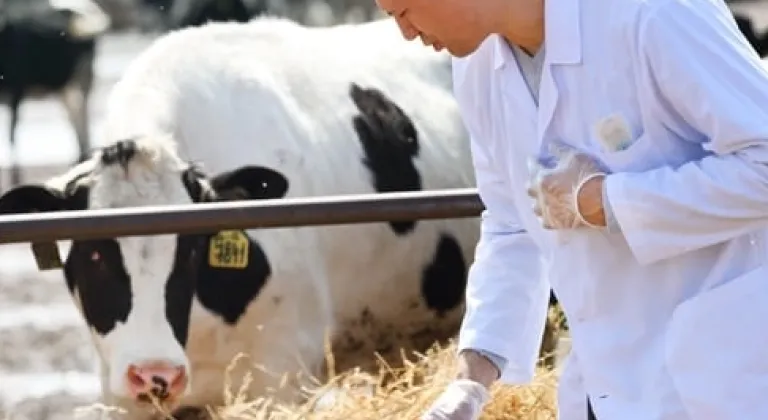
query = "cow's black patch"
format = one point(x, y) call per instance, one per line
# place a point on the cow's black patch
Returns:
point(119, 153)
point(390, 143)
point(227, 291)
point(95, 270)
point(445, 278)
point(180, 287)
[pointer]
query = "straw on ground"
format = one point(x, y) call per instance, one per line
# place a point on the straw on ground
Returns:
point(401, 393)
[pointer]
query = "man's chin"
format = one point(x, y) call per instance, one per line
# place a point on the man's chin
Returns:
point(458, 52)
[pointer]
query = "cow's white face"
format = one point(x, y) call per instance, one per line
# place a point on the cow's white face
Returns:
point(135, 293)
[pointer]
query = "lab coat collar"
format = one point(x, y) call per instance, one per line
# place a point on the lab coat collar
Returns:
point(562, 35)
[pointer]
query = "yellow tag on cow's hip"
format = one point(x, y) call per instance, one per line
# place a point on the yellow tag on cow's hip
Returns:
point(229, 249)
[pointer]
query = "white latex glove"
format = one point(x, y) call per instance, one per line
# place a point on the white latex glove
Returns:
point(555, 189)
point(463, 399)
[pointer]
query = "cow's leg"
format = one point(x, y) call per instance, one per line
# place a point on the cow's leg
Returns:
point(76, 104)
point(75, 97)
point(15, 104)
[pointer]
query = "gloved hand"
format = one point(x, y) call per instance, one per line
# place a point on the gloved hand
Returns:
point(555, 188)
point(463, 399)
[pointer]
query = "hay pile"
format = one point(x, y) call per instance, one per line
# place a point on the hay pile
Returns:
point(399, 393)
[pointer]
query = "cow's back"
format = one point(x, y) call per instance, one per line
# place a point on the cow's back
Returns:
point(276, 94)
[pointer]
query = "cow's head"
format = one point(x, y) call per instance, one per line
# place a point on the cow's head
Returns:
point(135, 293)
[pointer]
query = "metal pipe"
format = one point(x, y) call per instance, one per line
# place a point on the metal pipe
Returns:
point(213, 217)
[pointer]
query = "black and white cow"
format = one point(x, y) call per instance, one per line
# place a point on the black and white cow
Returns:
point(268, 109)
point(48, 47)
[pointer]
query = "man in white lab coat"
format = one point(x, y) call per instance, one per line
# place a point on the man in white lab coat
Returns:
point(621, 151)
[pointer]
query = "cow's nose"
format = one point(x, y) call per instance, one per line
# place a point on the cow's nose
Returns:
point(159, 380)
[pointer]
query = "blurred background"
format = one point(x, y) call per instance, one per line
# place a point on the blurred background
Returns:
point(50, 101)
point(43, 135)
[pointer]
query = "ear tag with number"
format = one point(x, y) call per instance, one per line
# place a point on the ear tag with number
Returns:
point(229, 249)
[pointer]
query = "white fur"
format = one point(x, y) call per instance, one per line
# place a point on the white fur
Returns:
point(275, 94)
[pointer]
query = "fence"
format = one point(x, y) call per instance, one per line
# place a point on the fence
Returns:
point(212, 217)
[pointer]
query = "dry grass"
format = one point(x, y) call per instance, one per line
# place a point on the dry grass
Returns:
point(402, 392)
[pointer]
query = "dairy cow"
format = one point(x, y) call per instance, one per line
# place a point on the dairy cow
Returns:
point(48, 47)
point(264, 110)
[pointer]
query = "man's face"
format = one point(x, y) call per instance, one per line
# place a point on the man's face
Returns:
point(449, 24)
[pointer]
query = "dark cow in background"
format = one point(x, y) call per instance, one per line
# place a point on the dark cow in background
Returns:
point(177, 14)
point(48, 47)
point(265, 110)
point(758, 41)
point(184, 13)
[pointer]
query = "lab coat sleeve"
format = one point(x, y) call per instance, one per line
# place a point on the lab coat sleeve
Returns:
point(506, 297)
point(710, 88)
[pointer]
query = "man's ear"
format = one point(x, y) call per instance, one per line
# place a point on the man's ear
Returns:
point(40, 198)
point(250, 183)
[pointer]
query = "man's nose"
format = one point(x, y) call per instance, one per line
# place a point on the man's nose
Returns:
point(407, 29)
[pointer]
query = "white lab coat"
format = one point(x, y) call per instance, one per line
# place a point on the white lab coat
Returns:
point(668, 316)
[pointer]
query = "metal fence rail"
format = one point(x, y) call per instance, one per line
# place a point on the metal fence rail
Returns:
point(212, 217)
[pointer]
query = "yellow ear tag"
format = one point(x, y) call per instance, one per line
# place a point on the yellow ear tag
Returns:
point(229, 249)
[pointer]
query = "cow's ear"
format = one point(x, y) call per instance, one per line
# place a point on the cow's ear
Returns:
point(41, 198)
point(250, 183)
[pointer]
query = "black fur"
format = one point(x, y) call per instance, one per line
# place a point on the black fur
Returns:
point(445, 278)
point(390, 144)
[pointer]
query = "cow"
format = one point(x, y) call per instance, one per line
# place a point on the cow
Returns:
point(269, 110)
point(48, 47)
point(177, 14)
point(758, 41)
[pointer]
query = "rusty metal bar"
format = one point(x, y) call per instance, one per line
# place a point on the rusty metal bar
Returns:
point(212, 217)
